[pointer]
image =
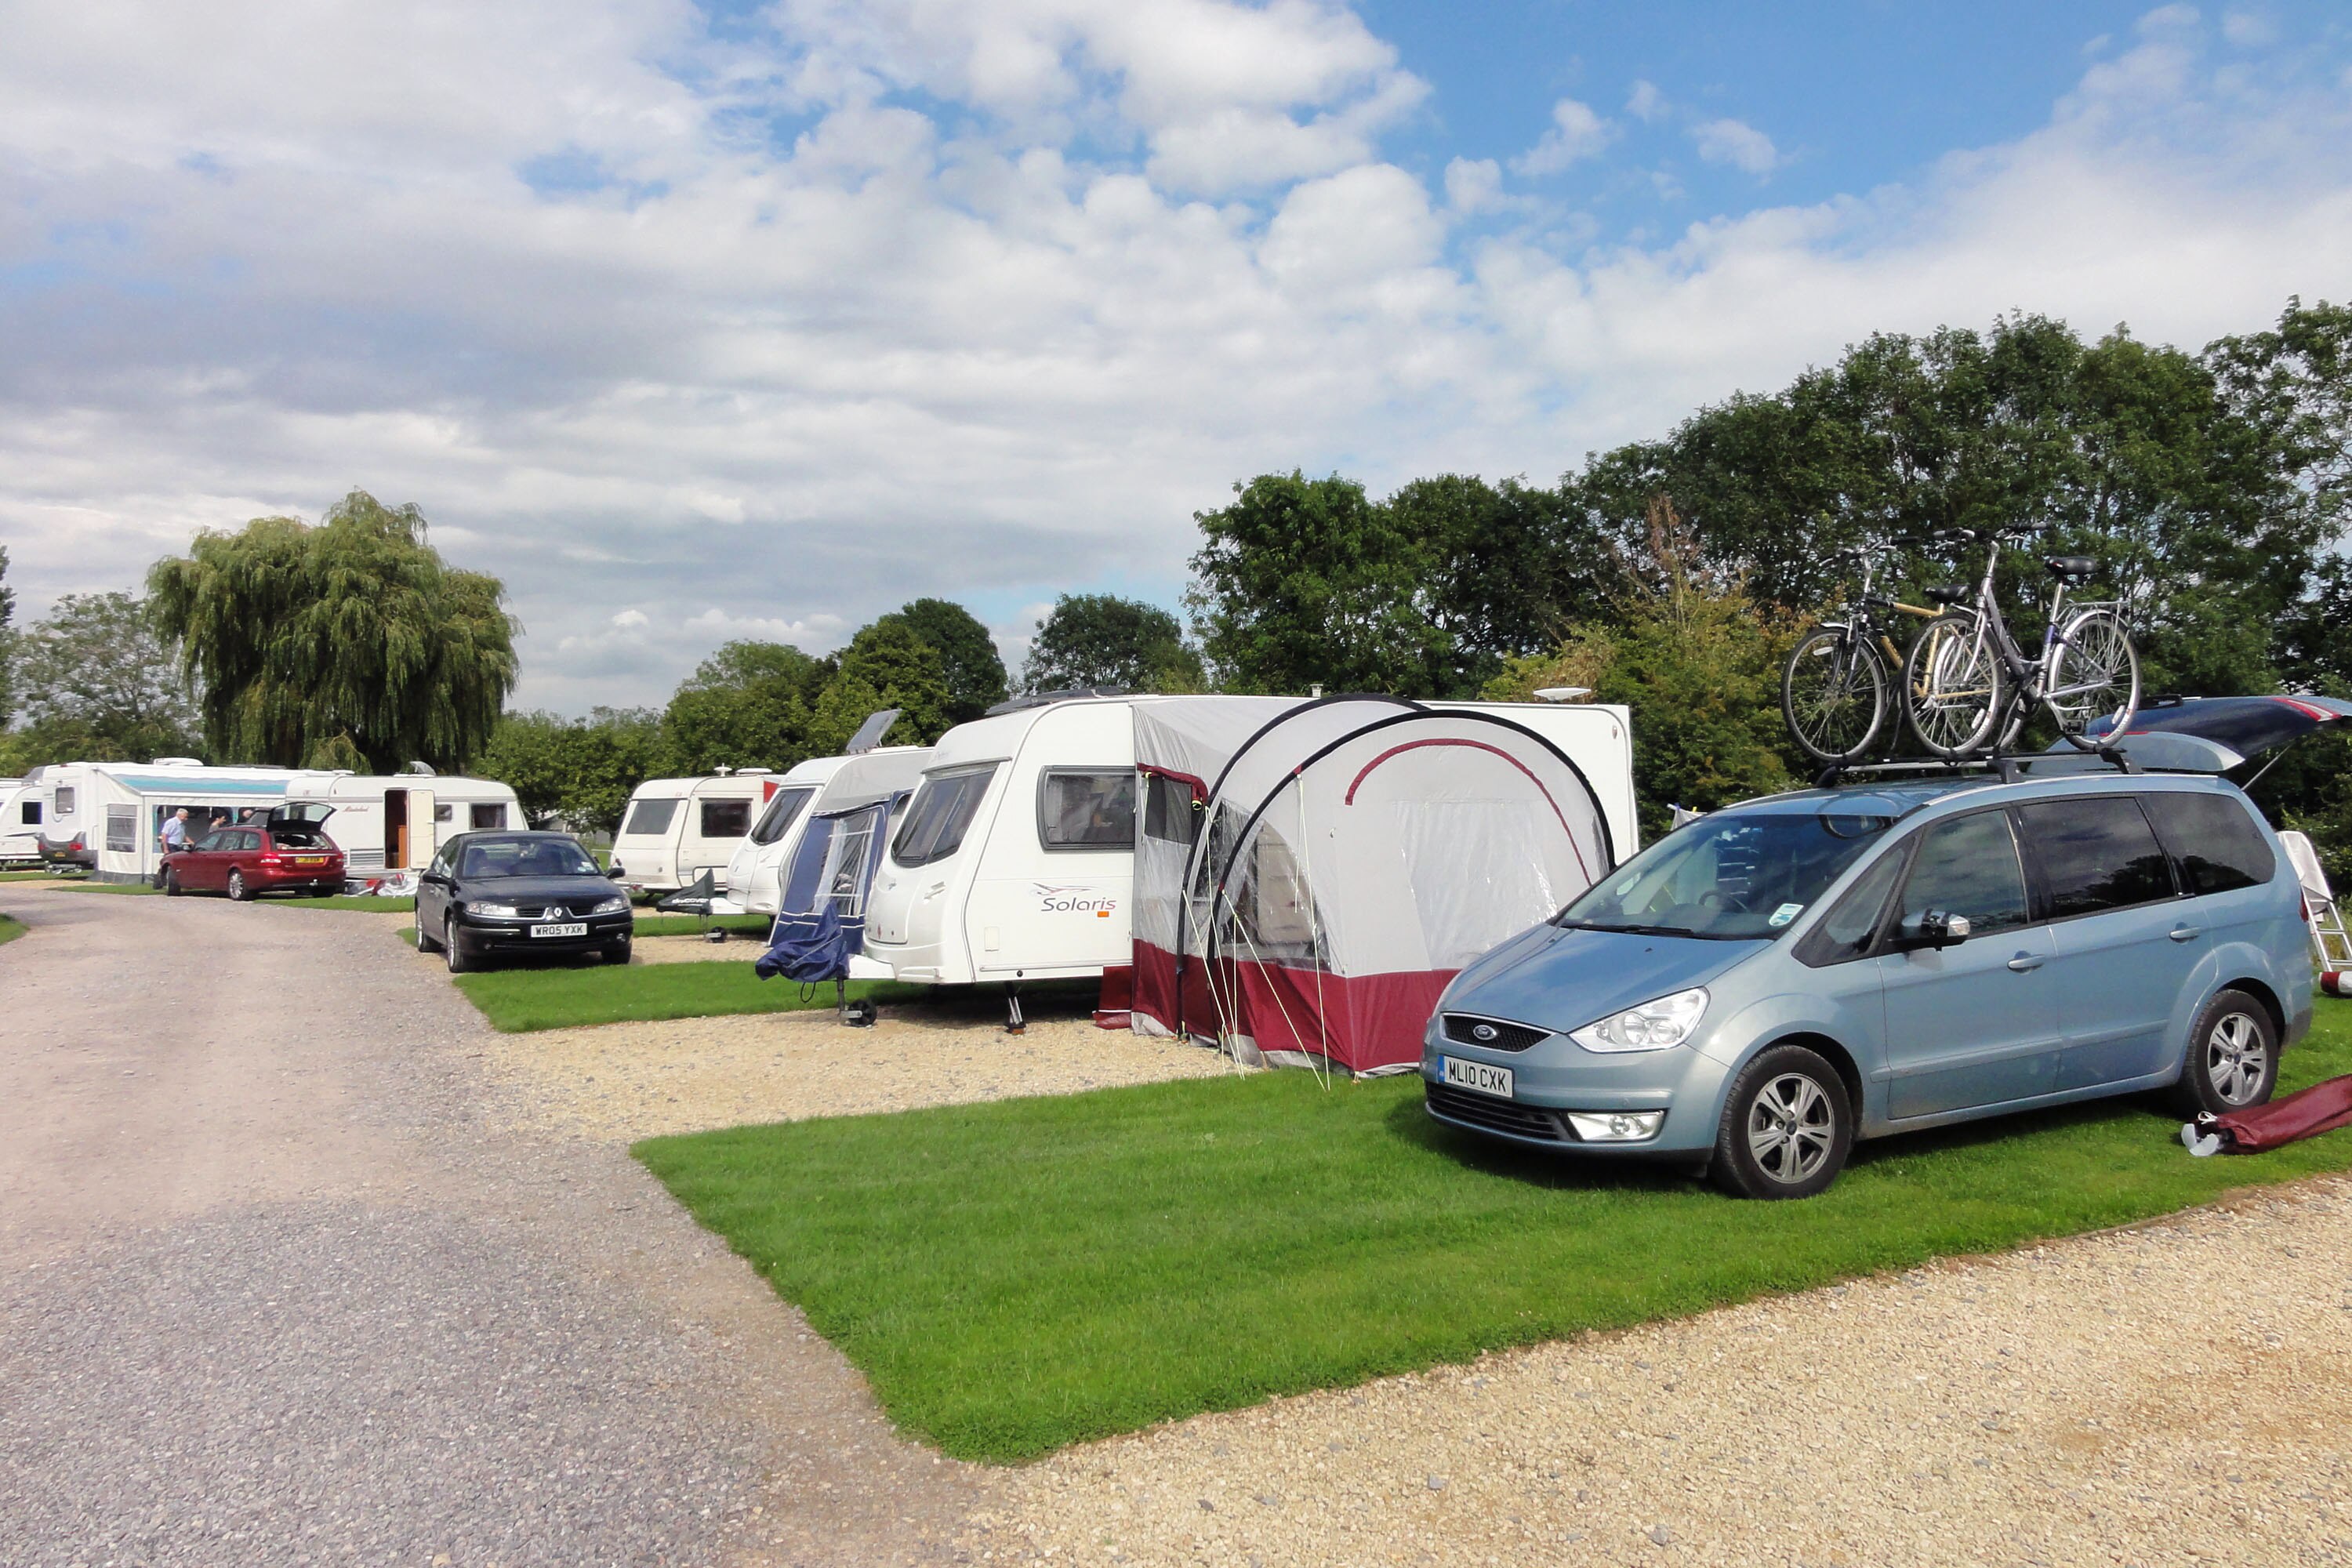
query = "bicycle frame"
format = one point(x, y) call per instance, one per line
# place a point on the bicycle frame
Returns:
point(1861, 624)
point(2025, 676)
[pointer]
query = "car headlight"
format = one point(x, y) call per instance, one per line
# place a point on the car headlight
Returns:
point(495, 912)
point(1651, 1026)
point(615, 905)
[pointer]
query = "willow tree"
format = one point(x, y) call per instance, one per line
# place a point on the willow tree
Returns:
point(347, 639)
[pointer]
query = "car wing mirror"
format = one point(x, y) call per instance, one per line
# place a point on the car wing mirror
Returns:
point(1939, 930)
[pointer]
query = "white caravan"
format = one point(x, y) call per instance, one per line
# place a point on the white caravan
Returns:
point(820, 784)
point(110, 816)
point(675, 830)
point(397, 823)
point(21, 806)
point(1015, 860)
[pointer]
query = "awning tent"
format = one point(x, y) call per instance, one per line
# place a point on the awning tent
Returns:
point(820, 911)
point(1311, 875)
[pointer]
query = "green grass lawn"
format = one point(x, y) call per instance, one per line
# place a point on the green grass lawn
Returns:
point(10, 929)
point(27, 876)
point(92, 885)
point(687, 925)
point(517, 1001)
point(1018, 1276)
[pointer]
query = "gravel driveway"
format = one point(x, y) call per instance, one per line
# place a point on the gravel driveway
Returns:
point(278, 1286)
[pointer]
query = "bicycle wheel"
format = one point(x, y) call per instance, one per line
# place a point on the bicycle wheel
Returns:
point(1834, 695)
point(2094, 675)
point(1952, 686)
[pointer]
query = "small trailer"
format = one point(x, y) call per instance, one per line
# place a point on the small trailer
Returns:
point(390, 823)
point(108, 816)
point(818, 785)
point(676, 830)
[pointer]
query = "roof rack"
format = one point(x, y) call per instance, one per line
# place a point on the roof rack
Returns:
point(2011, 766)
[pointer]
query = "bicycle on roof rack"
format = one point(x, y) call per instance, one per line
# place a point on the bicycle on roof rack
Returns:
point(1838, 685)
point(1968, 686)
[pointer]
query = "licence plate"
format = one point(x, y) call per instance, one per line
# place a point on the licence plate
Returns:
point(310, 859)
point(1478, 1076)
point(575, 928)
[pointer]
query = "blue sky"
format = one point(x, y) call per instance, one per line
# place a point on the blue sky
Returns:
point(694, 323)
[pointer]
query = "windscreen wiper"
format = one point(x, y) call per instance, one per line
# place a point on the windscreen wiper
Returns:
point(1629, 930)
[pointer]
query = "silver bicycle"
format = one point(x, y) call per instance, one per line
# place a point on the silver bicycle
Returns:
point(1966, 680)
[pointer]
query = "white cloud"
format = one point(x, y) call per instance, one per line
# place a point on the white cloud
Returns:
point(1645, 102)
point(2248, 29)
point(907, 298)
point(1735, 142)
point(1576, 134)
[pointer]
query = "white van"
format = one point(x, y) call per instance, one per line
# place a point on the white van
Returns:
point(675, 830)
point(821, 783)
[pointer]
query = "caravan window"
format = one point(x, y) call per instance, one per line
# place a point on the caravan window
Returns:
point(804, 879)
point(1088, 809)
point(725, 818)
point(845, 862)
point(1168, 811)
point(444, 812)
point(31, 814)
point(122, 830)
point(650, 818)
point(781, 813)
point(491, 816)
point(942, 811)
point(65, 795)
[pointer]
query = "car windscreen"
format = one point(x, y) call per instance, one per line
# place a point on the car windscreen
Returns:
point(1731, 877)
point(782, 813)
point(525, 857)
point(942, 810)
point(650, 817)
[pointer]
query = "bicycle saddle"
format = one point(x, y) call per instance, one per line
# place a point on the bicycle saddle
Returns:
point(1948, 593)
point(2073, 567)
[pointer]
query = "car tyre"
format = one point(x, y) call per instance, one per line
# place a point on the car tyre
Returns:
point(2232, 1059)
point(171, 883)
point(237, 891)
point(425, 943)
point(617, 952)
point(1786, 1128)
point(454, 948)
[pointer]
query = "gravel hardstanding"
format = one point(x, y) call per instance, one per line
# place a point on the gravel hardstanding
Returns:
point(277, 1286)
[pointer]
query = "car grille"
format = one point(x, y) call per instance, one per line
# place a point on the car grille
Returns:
point(1462, 1029)
point(1494, 1115)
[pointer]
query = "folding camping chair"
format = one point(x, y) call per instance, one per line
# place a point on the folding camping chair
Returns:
point(2329, 939)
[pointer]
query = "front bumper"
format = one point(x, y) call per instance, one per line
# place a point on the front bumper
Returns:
point(479, 935)
point(1557, 1076)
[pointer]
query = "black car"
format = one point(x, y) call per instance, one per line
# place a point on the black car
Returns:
point(491, 893)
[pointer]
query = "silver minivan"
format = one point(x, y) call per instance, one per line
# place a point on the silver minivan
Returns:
point(1769, 982)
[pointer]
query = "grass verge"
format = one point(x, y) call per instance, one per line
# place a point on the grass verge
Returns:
point(1019, 1276)
point(519, 1001)
point(689, 925)
point(27, 876)
point(10, 929)
point(381, 906)
point(94, 886)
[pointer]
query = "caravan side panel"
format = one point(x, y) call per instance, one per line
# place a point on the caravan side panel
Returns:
point(1051, 896)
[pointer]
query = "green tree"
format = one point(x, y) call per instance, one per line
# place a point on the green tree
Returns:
point(748, 705)
point(7, 643)
point(1102, 640)
point(99, 684)
point(1505, 570)
point(1309, 582)
point(886, 665)
point(1696, 661)
point(576, 774)
point(972, 668)
point(353, 627)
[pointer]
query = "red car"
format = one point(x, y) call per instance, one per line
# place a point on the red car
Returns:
point(283, 852)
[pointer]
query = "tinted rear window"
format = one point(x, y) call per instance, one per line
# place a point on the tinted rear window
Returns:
point(651, 818)
point(2213, 841)
point(943, 809)
point(2096, 852)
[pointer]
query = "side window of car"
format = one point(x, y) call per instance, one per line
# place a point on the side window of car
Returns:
point(2213, 841)
point(1967, 866)
point(1847, 929)
point(2096, 852)
point(210, 841)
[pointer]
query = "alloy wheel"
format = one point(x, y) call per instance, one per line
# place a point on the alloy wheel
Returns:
point(2236, 1059)
point(1790, 1128)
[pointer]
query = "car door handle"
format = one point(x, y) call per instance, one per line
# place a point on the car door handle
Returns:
point(2025, 963)
point(2185, 934)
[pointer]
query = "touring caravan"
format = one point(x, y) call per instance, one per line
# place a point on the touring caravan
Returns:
point(21, 809)
point(675, 830)
point(829, 878)
point(396, 821)
point(1017, 859)
point(110, 816)
point(818, 785)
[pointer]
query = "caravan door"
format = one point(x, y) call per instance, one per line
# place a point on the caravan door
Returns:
point(408, 829)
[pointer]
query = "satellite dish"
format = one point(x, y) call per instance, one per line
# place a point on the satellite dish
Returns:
point(869, 734)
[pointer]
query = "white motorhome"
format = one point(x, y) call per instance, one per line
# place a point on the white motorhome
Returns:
point(675, 830)
point(397, 822)
point(1017, 859)
point(756, 872)
point(110, 816)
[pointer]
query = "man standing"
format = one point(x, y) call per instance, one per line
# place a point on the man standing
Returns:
point(176, 831)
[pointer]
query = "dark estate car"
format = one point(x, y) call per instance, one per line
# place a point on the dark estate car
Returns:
point(489, 893)
point(287, 850)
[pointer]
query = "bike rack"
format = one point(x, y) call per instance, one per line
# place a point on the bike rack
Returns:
point(2012, 766)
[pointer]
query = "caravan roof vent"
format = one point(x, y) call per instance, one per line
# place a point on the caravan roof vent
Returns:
point(1040, 698)
point(741, 771)
point(869, 734)
point(177, 762)
point(421, 770)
